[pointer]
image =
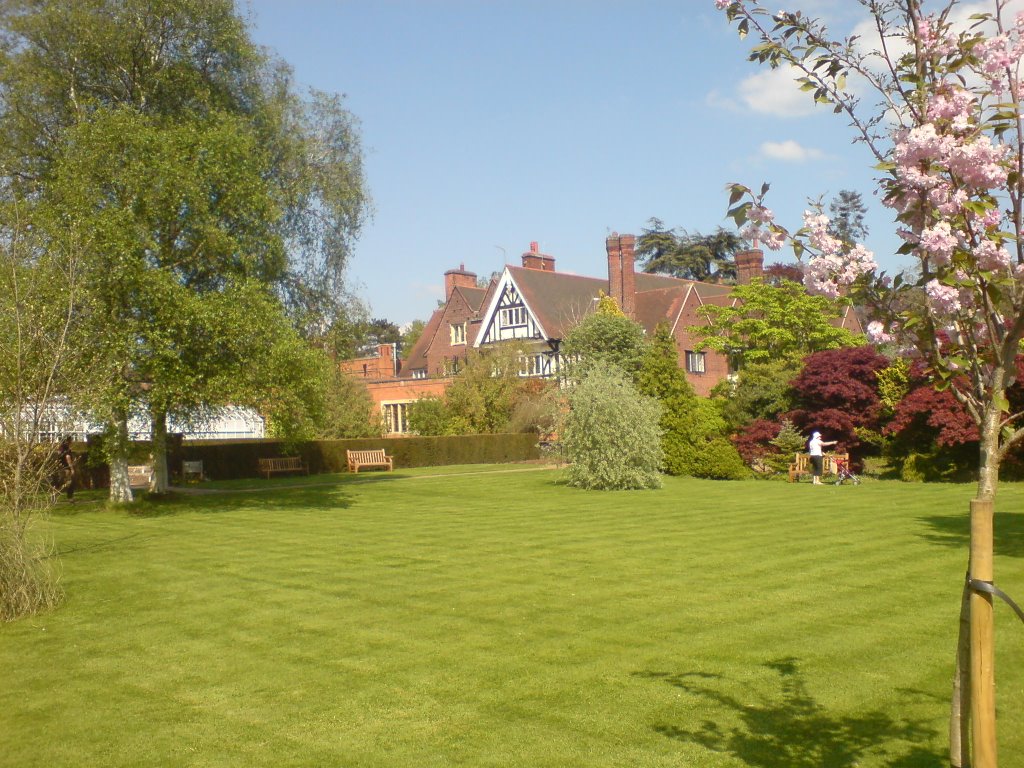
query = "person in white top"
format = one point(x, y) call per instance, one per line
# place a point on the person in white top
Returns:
point(814, 448)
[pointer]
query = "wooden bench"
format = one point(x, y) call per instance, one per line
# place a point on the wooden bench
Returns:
point(139, 475)
point(282, 464)
point(191, 469)
point(802, 465)
point(376, 458)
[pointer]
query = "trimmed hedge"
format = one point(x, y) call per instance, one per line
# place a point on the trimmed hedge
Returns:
point(232, 459)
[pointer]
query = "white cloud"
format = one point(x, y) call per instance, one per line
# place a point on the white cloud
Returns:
point(717, 100)
point(775, 92)
point(790, 151)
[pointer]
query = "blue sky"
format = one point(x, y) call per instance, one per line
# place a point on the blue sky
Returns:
point(487, 125)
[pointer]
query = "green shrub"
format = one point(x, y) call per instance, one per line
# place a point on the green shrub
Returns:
point(716, 459)
point(611, 434)
point(429, 416)
point(695, 443)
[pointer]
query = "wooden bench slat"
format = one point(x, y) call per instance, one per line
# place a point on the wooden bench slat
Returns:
point(139, 475)
point(192, 469)
point(372, 458)
point(802, 464)
point(282, 464)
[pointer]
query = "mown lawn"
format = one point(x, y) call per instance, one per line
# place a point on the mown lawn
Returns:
point(502, 619)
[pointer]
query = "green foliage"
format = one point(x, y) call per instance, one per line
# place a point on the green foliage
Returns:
point(693, 432)
point(41, 362)
point(789, 442)
point(698, 446)
point(602, 339)
point(773, 322)
point(760, 391)
point(660, 375)
point(411, 335)
point(691, 256)
point(429, 416)
point(893, 384)
point(487, 396)
point(847, 211)
point(607, 305)
point(349, 410)
point(237, 459)
point(189, 169)
point(610, 433)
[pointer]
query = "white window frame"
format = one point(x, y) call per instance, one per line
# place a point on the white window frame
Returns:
point(396, 416)
point(531, 365)
point(512, 317)
point(458, 333)
point(419, 373)
point(696, 362)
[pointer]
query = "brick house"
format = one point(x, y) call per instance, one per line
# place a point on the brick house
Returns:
point(536, 305)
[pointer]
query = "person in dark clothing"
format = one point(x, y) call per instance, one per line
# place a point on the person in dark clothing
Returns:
point(66, 468)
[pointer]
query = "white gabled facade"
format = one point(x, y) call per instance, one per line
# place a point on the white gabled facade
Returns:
point(509, 318)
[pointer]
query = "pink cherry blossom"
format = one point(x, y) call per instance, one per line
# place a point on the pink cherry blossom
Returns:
point(819, 237)
point(933, 40)
point(991, 257)
point(944, 300)
point(760, 215)
point(877, 334)
point(954, 103)
point(773, 241)
point(939, 242)
point(830, 273)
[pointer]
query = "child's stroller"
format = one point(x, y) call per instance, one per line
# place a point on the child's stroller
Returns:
point(843, 472)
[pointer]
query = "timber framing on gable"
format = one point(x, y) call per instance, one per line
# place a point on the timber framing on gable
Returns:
point(508, 316)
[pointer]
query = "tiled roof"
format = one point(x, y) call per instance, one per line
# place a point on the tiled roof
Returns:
point(660, 305)
point(417, 357)
point(473, 296)
point(558, 299)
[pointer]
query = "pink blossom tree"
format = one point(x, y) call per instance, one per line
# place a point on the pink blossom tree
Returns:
point(935, 97)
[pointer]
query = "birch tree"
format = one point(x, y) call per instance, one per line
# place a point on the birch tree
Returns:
point(190, 152)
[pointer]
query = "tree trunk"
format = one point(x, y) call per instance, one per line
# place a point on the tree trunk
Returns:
point(120, 485)
point(160, 481)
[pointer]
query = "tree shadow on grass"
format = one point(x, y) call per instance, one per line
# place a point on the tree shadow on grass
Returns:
point(955, 531)
point(291, 499)
point(789, 728)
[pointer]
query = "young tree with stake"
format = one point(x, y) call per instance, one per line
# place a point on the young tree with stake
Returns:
point(946, 133)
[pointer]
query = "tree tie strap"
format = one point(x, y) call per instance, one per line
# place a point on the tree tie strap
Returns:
point(987, 586)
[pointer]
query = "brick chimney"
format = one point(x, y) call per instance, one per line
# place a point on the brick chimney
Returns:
point(534, 259)
point(458, 278)
point(749, 264)
point(621, 274)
